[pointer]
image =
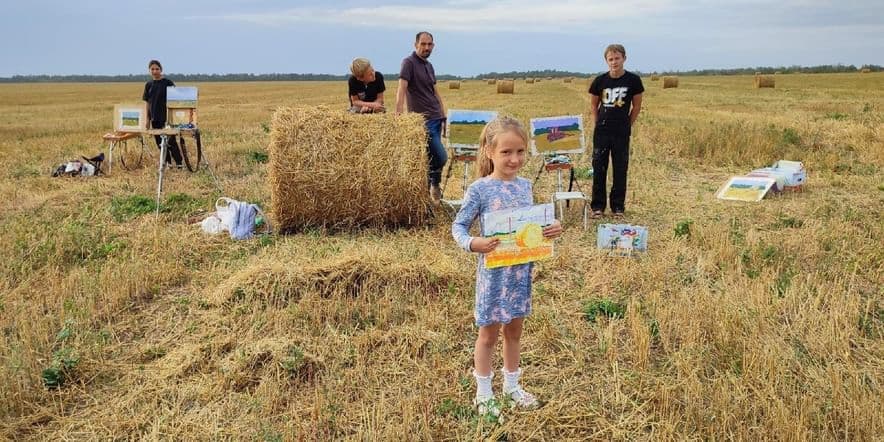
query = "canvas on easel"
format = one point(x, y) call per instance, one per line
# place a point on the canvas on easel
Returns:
point(465, 127)
point(181, 105)
point(557, 135)
point(130, 117)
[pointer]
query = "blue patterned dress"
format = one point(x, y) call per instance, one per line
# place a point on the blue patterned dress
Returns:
point(502, 293)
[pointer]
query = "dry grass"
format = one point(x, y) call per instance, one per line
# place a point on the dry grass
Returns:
point(756, 321)
point(334, 169)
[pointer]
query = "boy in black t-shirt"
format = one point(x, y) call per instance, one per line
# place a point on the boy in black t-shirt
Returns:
point(366, 88)
point(616, 100)
point(155, 96)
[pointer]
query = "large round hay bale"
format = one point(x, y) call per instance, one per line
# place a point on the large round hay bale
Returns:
point(529, 80)
point(866, 70)
point(492, 81)
point(506, 86)
point(337, 170)
point(454, 84)
point(655, 77)
point(670, 82)
point(764, 81)
point(567, 79)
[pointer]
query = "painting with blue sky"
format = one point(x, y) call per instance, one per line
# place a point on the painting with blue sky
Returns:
point(557, 135)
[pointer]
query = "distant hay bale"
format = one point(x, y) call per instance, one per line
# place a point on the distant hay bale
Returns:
point(778, 72)
point(506, 86)
point(337, 170)
point(567, 79)
point(866, 70)
point(764, 81)
point(529, 80)
point(492, 81)
point(670, 82)
point(454, 85)
point(758, 73)
point(655, 77)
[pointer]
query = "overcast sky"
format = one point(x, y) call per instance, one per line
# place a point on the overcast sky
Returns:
point(472, 36)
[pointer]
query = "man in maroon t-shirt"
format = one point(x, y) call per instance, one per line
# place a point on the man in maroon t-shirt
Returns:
point(417, 83)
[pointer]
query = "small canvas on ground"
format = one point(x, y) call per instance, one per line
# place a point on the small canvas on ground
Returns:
point(557, 135)
point(465, 126)
point(521, 235)
point(181, 97)
point(745, 188)
point(622, 239)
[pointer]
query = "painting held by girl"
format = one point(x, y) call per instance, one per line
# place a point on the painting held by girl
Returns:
point(503, 294)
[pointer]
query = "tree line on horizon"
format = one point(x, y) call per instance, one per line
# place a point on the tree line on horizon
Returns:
point(81, 78)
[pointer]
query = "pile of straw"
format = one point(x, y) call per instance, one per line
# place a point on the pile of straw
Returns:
point(337, 170)
point(506, 86)
point(764, 81)
point(454, 85)
point(670, 82)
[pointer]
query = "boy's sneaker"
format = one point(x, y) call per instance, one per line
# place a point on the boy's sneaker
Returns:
point(522, 399)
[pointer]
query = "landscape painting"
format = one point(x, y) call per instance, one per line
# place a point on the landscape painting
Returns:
point(520, 232)
point(130, 118)
point(181, 97)
point(746, 188)
point(557, 135)
point(465, 126)
point(622, 239)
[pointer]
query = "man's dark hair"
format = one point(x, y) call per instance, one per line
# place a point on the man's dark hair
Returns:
point(417, 37)
point(154, 62)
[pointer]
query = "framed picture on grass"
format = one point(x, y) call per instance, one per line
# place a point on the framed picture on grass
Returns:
point(622, 239)
point(557, 135)
point(130, 117)
point(520, 232)
point(745, 188)
point(464, 128)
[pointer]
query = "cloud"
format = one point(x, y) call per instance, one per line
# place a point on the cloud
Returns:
point(468, 15)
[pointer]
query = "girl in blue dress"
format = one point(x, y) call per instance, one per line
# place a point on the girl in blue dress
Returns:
point(503, 294)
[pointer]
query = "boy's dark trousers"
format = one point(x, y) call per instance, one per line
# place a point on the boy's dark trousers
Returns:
point(173, 150)
point(614, 144)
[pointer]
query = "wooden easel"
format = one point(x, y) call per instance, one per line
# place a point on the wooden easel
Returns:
point(466, 157)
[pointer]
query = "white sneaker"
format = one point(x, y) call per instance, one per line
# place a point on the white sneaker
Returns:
point(522, 399)
point(488, 409)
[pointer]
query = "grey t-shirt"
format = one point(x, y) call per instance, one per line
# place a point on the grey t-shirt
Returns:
point(421, 93)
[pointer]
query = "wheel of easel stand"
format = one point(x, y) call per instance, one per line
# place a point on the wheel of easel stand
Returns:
point(192, 155)
point(131, 154)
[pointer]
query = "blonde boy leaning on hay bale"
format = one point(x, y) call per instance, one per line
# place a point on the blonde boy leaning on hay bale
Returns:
point(366, 88)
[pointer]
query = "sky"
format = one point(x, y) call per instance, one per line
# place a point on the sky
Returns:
point(472, 37)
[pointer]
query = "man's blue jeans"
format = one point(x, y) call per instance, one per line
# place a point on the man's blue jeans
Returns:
point(435, 150)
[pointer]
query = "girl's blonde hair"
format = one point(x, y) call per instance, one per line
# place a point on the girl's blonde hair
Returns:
point(488, 140)
point(359, 66)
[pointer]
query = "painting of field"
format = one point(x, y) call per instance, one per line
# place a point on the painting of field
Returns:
point(557, 135)
point(181, 97)
point(520, 232)
point(760, 321)
point(746, 188)
point(465, 127)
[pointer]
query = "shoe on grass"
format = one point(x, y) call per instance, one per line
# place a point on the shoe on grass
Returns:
point(522, 399)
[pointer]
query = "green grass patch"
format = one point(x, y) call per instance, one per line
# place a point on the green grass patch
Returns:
point(594, 308)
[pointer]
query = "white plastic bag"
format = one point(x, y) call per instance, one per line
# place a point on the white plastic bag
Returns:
point(212, 225)
point(226, 213)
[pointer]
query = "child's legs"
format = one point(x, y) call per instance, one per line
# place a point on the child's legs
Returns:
point(512, 334)
point(620, 163)
point(485, 343)
point(600, 152)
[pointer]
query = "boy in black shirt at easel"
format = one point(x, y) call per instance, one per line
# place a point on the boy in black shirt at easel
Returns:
point(615, 101)
point(155, 96)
